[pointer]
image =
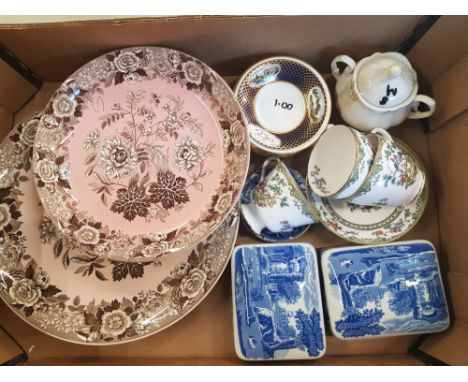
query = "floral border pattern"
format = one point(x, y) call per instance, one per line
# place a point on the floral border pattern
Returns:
point(67, 107)
point(27, 288)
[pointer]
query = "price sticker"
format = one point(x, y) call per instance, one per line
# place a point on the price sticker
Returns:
point(279, 107)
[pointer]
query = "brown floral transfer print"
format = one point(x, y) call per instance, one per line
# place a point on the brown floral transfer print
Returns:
point(137, 150)
point(169, 190)
point(28, 289)
point(132, 201)
point(113, 160)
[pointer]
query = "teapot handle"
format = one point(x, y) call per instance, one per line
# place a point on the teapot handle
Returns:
point(351, 64)
point(415, 114)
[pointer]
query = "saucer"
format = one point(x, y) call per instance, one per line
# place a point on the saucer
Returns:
point(369, 224)
point(277, 304)
point(384, 290)
point(287, 105)
point(78, 296)
point(142, 145)
point(266, 234)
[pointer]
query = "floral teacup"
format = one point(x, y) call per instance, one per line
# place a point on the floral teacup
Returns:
point(340, 161)
point(395, 178)
point(277, 202)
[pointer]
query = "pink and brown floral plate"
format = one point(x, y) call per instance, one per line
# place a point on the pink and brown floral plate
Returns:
point(76, 295)
point(141, 152)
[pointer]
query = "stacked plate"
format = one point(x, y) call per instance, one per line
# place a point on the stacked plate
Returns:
point(131, 173)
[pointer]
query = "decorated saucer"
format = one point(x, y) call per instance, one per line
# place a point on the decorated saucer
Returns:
point(369, 224)
point(384, 290)
point(77, 296)
point(145, 146)
point(266, 234)
point(277, 305)
point(287, 105)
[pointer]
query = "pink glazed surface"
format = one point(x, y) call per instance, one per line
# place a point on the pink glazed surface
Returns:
point(89, 201)
point(141, 152)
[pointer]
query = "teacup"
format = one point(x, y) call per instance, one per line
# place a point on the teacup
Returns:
point(277, 202)
point(395, 178)
point(340, 162)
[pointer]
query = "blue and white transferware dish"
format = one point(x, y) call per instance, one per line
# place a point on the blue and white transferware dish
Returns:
point(385, 290)
point(266, 234)
point(277, 303)
point(277, 202)
point(287, 105)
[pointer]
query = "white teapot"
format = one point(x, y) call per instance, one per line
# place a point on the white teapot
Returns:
point(378, 91)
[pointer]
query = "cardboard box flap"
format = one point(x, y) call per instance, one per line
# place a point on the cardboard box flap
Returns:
point(15, 89)
point(449, 347)
point(448, 147)
point(6, 122)
point(10, 352)
point(458, 286)
point(443, 45)
point(450, 91)
point(228, 44)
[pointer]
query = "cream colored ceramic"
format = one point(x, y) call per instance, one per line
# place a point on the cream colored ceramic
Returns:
point(340, 161)
point(145, 146)
point(379, 91)
point(369, 224)
point(277, 202)
point(395, 178)
point(77, 296)
point(287, 105)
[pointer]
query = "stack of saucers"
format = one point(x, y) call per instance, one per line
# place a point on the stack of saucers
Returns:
point(366, 188)
point(127, 216)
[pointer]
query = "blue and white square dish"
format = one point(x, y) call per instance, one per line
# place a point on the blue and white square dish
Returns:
point(277, 305)
point(384, 290)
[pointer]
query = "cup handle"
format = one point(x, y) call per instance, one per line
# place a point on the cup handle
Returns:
point(351, 64)
point(420, 98)
point(266, 165)
point(382, 132)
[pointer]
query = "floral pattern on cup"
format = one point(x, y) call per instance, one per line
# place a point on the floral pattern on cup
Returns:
point(288, 231)
point(271, 193)
point(362, 166)
point(394, 179)
point(317, 180)
point(369, 224)
point(340, 162)
point(277, 201)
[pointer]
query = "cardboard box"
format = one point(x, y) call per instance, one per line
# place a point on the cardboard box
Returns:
point(230, 45)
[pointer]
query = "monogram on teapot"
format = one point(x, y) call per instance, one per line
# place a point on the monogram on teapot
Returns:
point(378, 91)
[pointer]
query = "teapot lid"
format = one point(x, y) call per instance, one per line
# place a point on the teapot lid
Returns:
point(386, 80)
